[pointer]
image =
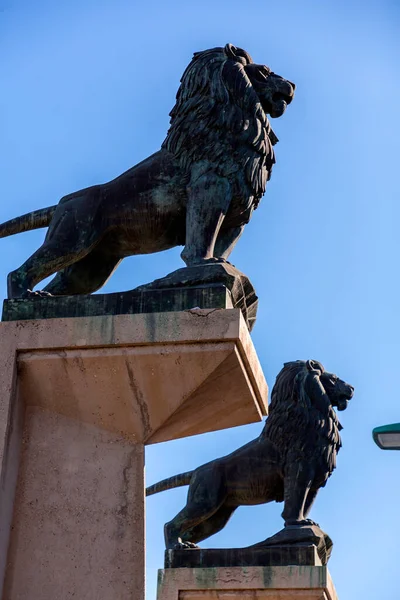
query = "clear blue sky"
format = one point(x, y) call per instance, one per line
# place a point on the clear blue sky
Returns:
point(86, 91)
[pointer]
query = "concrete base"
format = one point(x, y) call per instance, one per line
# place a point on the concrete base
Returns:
point(246, 583)
point(78, 524)
point(79, 399)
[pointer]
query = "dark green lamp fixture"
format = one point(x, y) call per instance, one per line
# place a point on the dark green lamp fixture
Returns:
point(387, 437)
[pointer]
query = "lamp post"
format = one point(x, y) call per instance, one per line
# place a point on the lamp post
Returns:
point(387, 437)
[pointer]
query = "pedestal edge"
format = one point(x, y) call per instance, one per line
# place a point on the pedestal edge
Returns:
point(173, 581)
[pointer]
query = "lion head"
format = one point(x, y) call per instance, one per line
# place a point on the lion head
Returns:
point(220, 118)
point(273, 91)
point(302, 416)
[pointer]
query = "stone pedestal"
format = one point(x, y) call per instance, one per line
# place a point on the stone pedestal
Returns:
point(79, 399)
point(246, 583)
point(215, 285)
point(269, 556)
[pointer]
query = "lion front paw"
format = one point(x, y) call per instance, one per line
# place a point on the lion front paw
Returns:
point(37, 294)
point(310, 522)
point(195, 261)
point(300, 523)
point(209, 261)
point(186, 545)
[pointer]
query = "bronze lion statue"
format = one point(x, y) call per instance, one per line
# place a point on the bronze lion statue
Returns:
point(290, 461)
point(198, 191)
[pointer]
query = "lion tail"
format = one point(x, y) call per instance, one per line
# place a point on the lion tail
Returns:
point(33, 220)
point(170, 483)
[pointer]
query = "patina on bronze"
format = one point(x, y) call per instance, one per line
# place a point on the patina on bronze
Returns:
point(199, 190)
point(290, 461)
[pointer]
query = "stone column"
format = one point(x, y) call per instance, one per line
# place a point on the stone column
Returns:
point(79, 399)
point(246, 583)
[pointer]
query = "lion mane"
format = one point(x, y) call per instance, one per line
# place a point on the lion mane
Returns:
point(300, 423)
point(218, 117)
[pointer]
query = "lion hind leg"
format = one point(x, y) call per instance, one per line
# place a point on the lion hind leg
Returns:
point(54, 255)
point(68, 240)
point(85, 276)
point(43, 263)
point(211, 526)
point(185, 520)
point(205, 496)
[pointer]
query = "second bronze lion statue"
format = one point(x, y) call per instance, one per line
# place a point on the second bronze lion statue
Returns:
point(198, 191)
point(290, 461)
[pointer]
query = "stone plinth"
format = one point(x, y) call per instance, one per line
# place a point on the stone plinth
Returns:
point(79, 398)
point(208, 275)
point(246, 583)
point(273, 556)
point(121, 303)
point(208, 286)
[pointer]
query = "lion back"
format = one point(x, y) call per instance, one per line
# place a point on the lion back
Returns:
point(297, 427)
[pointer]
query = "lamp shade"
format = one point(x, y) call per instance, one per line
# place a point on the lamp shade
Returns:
point(387, 437)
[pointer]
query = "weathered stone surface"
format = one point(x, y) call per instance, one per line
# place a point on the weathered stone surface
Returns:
point(242, 293)
point(78, 400)
point(153, 377)
point(242, 557)
point(78, 523)
point(246, 583)
point(125, 303)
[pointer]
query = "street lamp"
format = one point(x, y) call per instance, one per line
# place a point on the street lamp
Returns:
point(387, 437)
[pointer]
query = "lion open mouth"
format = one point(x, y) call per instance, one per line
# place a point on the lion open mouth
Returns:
point(279, 97)
point(279, 103)
point(343, 401)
